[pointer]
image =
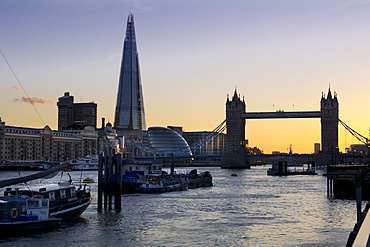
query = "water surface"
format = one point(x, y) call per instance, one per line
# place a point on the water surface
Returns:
point(252, 209)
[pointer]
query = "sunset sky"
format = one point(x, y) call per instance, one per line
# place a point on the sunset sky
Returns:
point(280, 55)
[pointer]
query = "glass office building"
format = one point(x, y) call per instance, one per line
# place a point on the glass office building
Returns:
point(130, 113)
point(168, 141)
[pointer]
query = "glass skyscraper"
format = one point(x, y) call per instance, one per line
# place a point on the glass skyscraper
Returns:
point(130, 113)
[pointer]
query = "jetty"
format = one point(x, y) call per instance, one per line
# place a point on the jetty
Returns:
point(342, 180)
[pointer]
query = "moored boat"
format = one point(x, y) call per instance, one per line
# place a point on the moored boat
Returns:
point(65, 200)
point(131, 181)
point(158, 183)
point(88, 163)
point(24, 214)
point(204, 179)
point(88, 180)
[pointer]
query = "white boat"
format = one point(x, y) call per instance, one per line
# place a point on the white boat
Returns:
point(65, 200)
point(88, 163)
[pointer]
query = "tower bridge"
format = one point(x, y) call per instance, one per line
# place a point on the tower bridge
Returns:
point(236, 116)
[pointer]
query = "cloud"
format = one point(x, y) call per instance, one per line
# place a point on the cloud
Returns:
point(36, 101)
point(13, 87)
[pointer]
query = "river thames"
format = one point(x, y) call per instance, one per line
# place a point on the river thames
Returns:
point(251, 209)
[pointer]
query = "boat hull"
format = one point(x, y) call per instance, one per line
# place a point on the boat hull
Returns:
point(70, 211)
point(131, 187)
point(10, 227)
point(162, 189)
point(200, 182)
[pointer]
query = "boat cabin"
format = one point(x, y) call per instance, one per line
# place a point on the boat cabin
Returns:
point(56, 193)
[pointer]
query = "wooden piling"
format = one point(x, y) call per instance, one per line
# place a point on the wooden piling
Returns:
point(283, 168)
point(111, 181)
point(118, 182)
point(172, 163)
point(327, 186)
point(110, 177)
point(359, 201)
point(106, 185)
point(100, 183)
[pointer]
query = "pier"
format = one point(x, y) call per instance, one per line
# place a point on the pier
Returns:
point(343, 179)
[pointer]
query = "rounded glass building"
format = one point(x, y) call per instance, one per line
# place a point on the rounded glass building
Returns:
point(168, 141)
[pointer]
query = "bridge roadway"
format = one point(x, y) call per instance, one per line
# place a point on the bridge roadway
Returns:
point(281, 114)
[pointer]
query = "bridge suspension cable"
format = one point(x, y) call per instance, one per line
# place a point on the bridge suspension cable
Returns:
point(358, 136)
point(219, 129)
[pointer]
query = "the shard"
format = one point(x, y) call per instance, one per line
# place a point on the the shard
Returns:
point(130, 113)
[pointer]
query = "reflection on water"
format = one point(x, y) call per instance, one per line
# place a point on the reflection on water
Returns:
point(248, 210)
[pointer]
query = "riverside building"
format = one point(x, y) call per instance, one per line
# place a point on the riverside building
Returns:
point(21, 143)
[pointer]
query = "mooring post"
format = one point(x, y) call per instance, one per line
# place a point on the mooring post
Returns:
point(332, 181)
point(359, 199)
point(100, 183)
point(172, 163)
point(327, 186)
point(110, 192)
point(118, 183)
point(280, 166)
point(106, 175)
point(285, 168)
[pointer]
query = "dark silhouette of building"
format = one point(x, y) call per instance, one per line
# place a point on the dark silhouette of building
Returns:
point(130, 100)
point(329, 123)
point(235, 138)
point(75, 115)
point(234, 156)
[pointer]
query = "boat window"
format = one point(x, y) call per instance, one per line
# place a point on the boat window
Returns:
point(62, 194)
point(154, 167)
point(33, 204)
point(52, 196)
point(44, 203)
point(73, 192)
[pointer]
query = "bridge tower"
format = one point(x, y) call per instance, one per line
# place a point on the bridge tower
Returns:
point(329, 123)
point(235, 136)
